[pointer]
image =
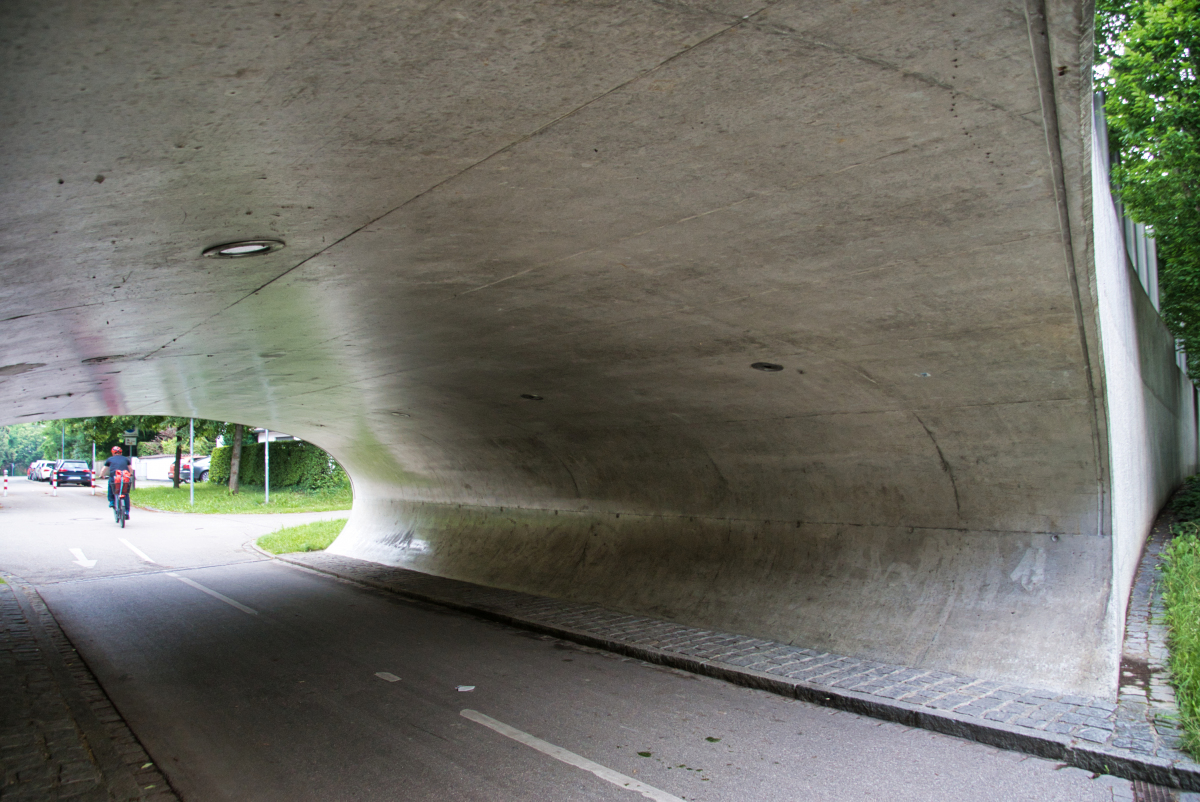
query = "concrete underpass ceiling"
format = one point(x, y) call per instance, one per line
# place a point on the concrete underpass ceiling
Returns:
point(615, 207)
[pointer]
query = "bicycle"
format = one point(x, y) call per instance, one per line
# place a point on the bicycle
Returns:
point(122, 482)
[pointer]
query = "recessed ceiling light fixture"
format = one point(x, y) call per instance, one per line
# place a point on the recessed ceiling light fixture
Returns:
point(769, 367)
point(246, 247)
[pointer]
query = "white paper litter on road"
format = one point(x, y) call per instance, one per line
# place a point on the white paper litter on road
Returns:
point(387, 676)
point(465, 688)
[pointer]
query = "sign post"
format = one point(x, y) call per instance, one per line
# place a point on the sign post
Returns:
point(192, 461)
point(267, 465)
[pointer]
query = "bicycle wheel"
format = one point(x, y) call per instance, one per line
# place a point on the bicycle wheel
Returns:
point(120, 506)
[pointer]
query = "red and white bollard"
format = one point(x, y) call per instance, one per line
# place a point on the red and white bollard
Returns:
point(54, 483)
point(6, 484)
point(93, 484)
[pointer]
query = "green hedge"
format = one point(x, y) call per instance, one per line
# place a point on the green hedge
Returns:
point(293, 464)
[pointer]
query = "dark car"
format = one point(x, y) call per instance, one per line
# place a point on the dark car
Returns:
point(185, 470)
point(73, 472)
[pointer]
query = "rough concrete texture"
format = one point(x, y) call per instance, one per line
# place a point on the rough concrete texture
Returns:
point(615, 208)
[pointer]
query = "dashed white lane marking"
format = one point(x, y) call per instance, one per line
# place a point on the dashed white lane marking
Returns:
point(387, 675)
point(136, 550)
point(214, 594)
point(558, 753)
point(81, 560)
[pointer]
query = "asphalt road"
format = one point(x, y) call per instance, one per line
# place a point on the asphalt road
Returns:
point(247, 679)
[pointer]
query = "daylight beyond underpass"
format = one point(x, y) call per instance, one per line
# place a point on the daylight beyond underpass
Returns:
point(812, 322)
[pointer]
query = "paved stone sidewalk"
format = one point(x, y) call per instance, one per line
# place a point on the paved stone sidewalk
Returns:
point(60, 737)
point(1147, 713)
point(1090, 733)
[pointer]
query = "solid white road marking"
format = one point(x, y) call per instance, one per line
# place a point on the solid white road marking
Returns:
point(213, 593)
point(81, 560)
point(558, 753)
point(387, 676)
point(136, 550)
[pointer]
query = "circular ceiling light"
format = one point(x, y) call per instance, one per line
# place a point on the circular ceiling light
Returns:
point(246, 247)
point(770, 367)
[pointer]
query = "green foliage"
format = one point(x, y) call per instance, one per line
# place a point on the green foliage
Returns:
point(74, 437)
point(293, 464)
point(307, 537)
point(20, 443)
point(1151, 57)
point(1186, 503)
point(212, 498)
point(166, 445)
point(1181, 593)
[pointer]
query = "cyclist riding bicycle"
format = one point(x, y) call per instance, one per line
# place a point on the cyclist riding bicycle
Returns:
point(112, 466)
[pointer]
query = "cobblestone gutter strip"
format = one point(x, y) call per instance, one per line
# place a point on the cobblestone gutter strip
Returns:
point(1075, 730)
point(1147, 715)
point(61, 738)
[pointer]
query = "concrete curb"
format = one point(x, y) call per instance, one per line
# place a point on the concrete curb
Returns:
point(1095, 758)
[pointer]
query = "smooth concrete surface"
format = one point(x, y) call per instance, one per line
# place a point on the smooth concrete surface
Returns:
point(1150, 401)
point(616, 209)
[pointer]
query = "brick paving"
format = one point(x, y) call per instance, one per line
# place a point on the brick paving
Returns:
point(1132, 737)
point(1147, 715)
point(60, 736)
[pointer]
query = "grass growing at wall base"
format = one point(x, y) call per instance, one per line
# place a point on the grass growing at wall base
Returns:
point(214, 498)
point(306, 537)
point(1181, 593)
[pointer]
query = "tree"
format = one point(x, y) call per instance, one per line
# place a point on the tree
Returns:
point(235, 460)
point(1148, 52)
point(209, 429)
point(20, 443)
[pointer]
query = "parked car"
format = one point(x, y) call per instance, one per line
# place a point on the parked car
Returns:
point(185, 470)
point(72, 471)
point(32, 472)
point(43, 471)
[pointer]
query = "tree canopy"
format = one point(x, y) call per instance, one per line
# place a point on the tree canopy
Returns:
point(1147, 58)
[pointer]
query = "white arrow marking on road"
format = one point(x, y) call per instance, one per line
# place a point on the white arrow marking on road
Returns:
point(136, 550)
point(214, 594)
point(81, 560)
point(558, 753)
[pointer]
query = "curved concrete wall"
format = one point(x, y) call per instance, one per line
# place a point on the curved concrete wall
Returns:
point(1151, 403)
point(617, 209)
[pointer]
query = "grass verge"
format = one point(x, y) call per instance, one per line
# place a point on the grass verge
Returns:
point(1180, 577)
point(307, 537)
point(213, 498)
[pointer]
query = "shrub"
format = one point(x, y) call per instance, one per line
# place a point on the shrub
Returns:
point(1186, 503)
point(1181, 594)
point(293, 464)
